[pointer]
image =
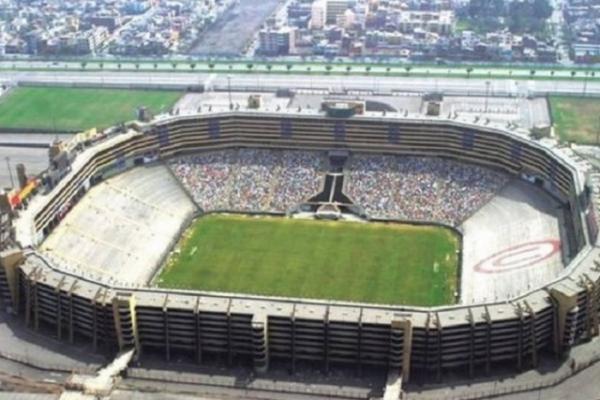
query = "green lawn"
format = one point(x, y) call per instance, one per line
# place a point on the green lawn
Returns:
point(57, 109)
point(576, 119)
point(375, 262)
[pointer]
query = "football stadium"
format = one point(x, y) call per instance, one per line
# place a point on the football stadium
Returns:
point(409, 246)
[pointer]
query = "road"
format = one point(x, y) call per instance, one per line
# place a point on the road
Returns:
point(334, 84)
point(232, 31)
point(557, 23)
point(311, 68)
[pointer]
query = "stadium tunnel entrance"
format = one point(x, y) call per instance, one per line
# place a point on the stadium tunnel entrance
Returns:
point(331, 202)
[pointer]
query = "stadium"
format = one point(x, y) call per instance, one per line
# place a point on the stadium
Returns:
point(503, 268)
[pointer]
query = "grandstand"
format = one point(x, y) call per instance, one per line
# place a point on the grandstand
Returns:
point(421, 189)
point(549, 316)
point(512, 244)
point(124, 227)
point(250, 180)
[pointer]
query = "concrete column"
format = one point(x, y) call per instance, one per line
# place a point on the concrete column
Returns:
point(520, 315)
point(592, 306)
point(28, 302)
point(326, 341)
point(488, 344)
point(438, 361)
point(10, 260)
point(260, 337)
point(532, 333)
point(198, 332)
point(71, 308)
point(566, 300)
point(229, 344)
point(165, 311)
point(471, 321)
point(359, 345)
point(125, 321)
point(95, 321)
point(403, 351)
point(59, 316)
point(36, 306)
point(428, 323)
point(293, 339)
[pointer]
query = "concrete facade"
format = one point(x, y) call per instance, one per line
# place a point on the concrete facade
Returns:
point(553, 318)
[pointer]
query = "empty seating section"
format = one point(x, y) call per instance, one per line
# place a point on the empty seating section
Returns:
point(122, 229)
point(421, 189)
point(249, 179)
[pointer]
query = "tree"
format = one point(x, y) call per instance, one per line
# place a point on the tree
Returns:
point(328, 68)
point(289, 67)
point(269, 67)
point(155, 65)
point(348, 69)
point(137, 66)
point(469, 70)
point(387, 70)
point(532, 73)
point(308, 69)
point(119, 66)
point(83, 64)
point(101, 65)
point(485, 15)
point(368, 69)
point(174, 65)
point(573, 73)
point(528, 16)
point(249, 66)
point(193, 66)
point(211, 66)
point(407, 69)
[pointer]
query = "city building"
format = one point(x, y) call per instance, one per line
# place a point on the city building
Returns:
point(318, 15)
point(438, 22)
point(276, 41)
point(335, 8)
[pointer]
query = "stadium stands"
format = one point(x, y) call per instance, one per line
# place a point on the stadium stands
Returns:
point(420, 189)
point(249, 179)
point(460, 338)
point(123, 226)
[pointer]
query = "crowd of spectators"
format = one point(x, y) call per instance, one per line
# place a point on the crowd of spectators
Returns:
point(250, 179)
point(420, 189)
point(408, 188)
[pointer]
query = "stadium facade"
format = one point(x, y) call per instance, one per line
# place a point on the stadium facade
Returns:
point(261, 330)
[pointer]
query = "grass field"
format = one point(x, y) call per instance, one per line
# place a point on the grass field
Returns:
point(577, 119)
point(57, 109)
point(375, 263)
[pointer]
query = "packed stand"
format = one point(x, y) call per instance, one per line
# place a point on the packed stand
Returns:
point(250, 179)
point(420, 188)
point(207, 177)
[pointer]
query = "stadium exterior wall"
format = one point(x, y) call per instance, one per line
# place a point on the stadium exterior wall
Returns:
point(554, 317)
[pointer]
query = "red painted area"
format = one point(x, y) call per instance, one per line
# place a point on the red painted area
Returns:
point(521, 256)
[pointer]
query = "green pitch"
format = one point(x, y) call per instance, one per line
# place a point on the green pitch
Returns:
point(72, 109)
point(577, 119)
point(374, 263)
